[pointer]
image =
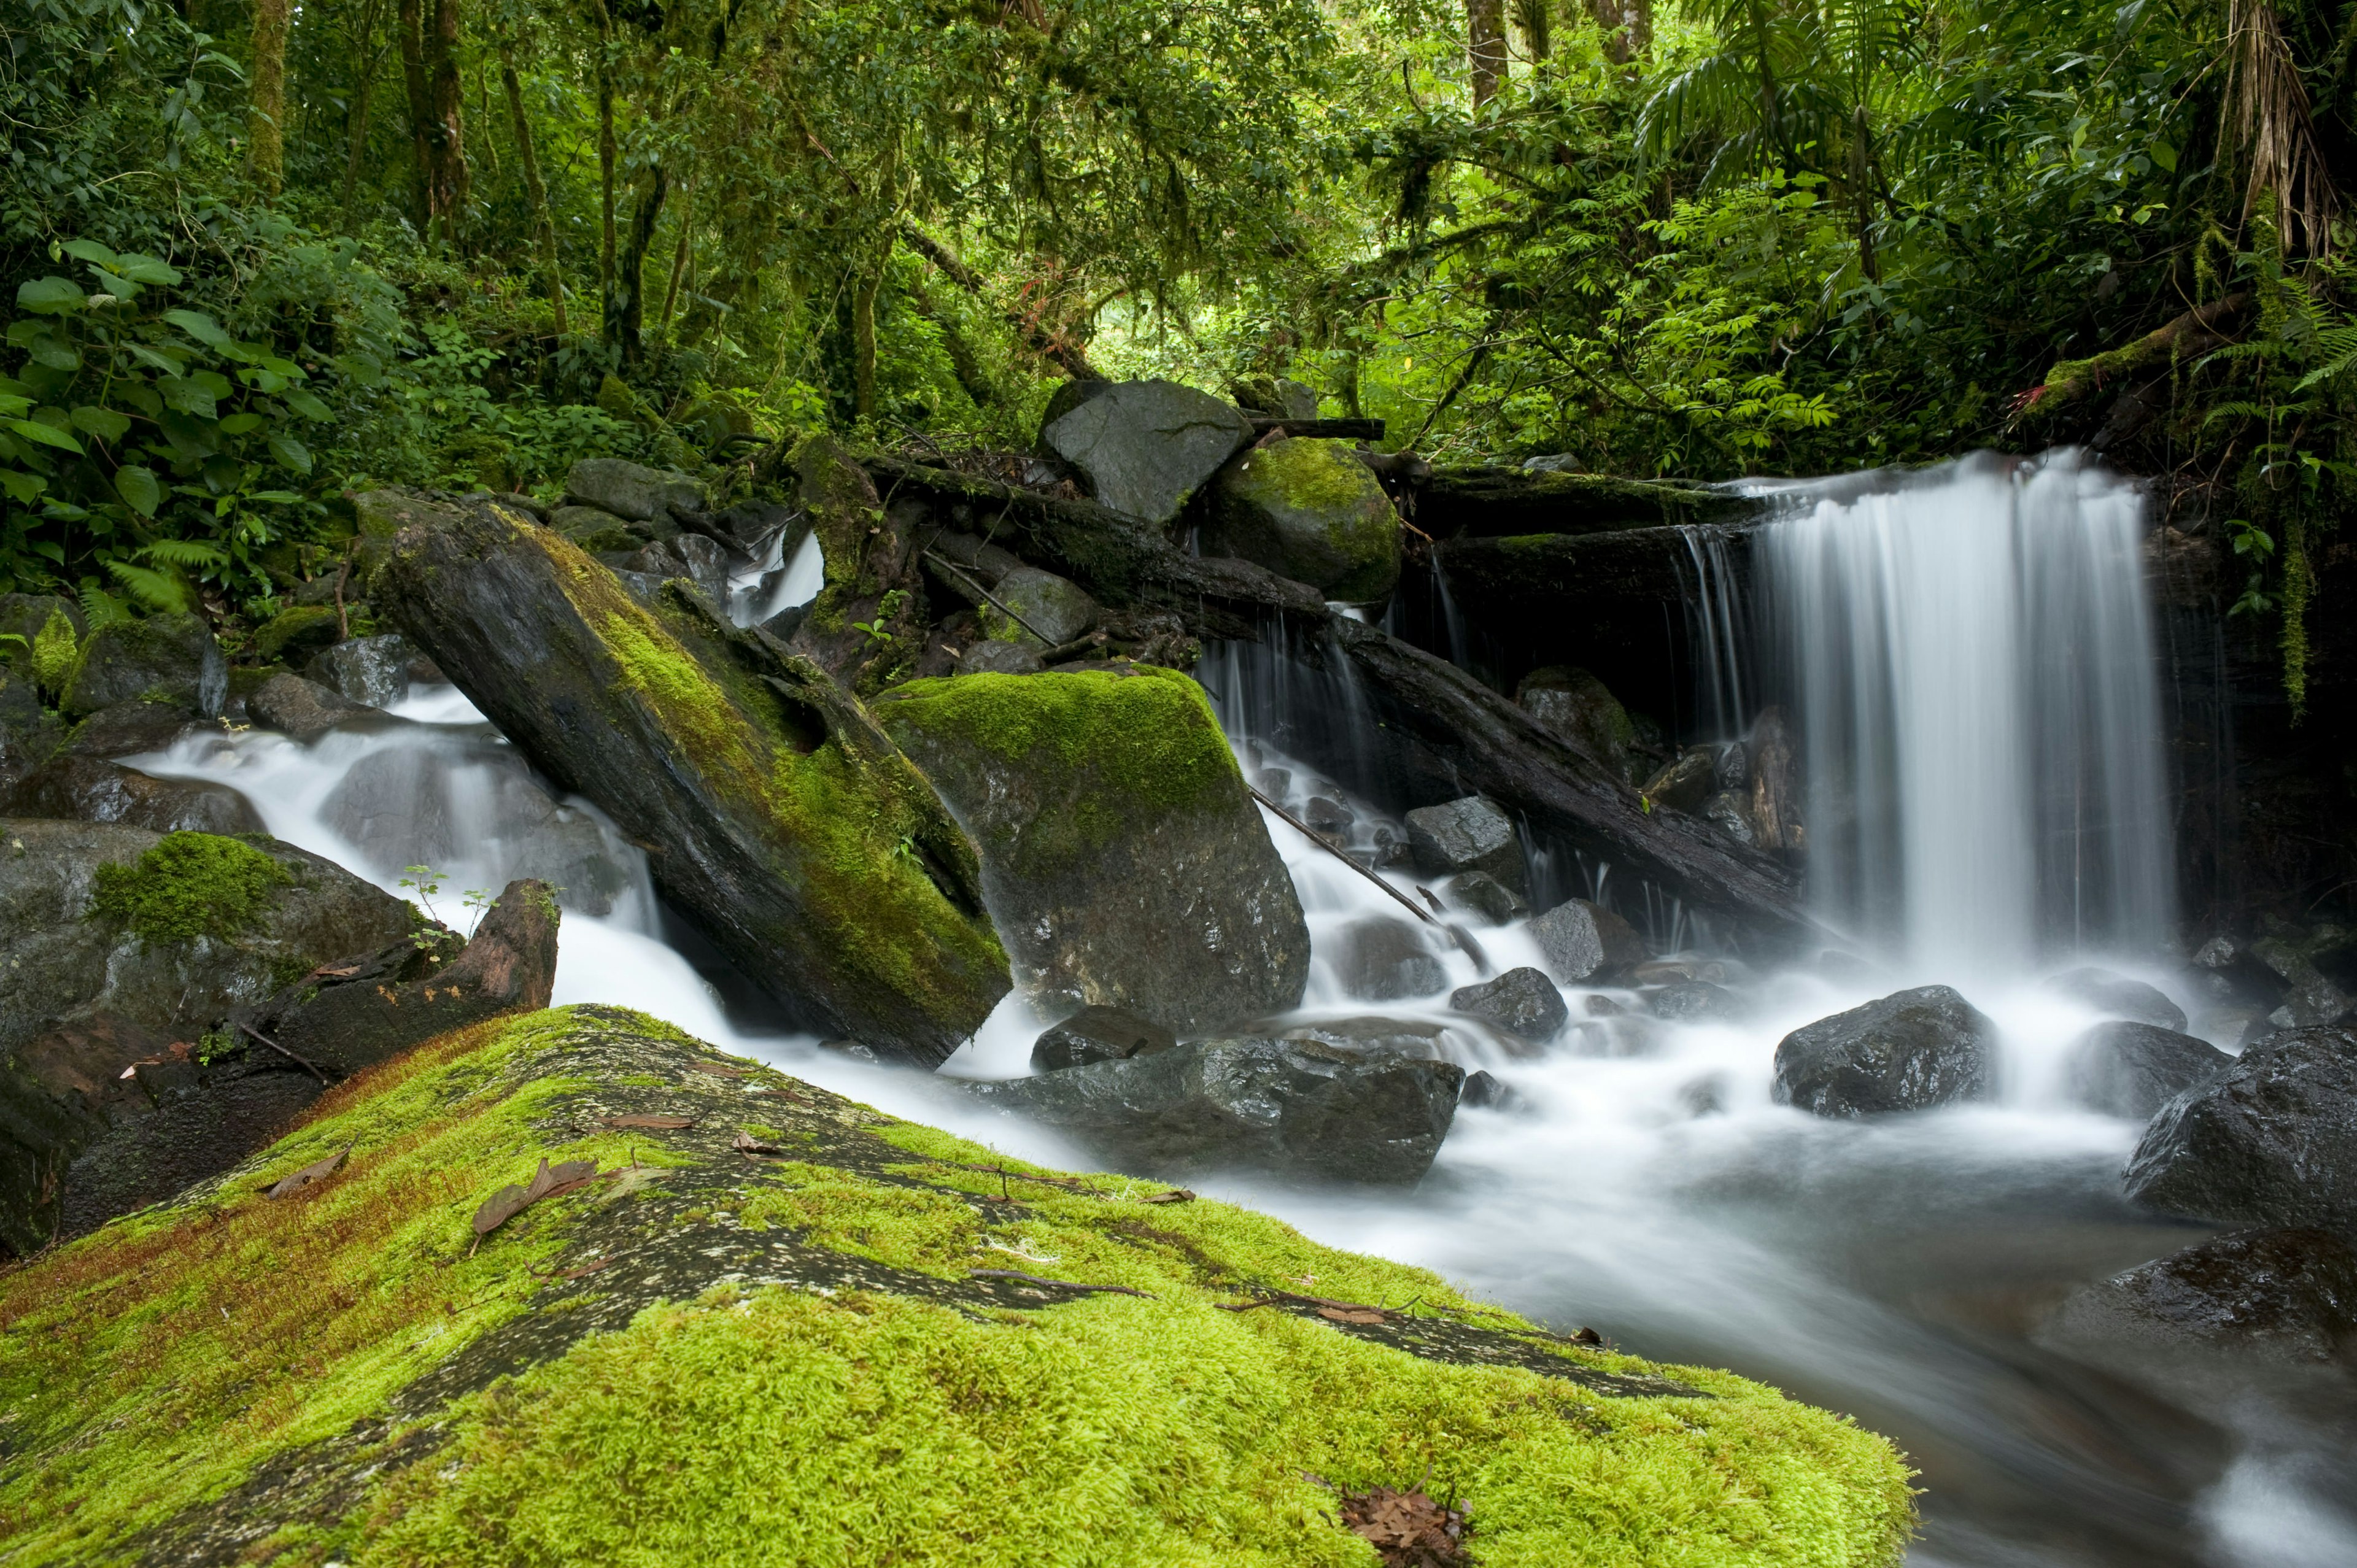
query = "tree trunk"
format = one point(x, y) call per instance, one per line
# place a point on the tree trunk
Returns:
point(409, 24)
point(604, 163)
point(363, 95)
point(1628, 28)
point(626, 306)
point(1536, 20)
point(543, 220)
point(266, 118)
point(1485, 47)
point(863, 341)
point(679, 258)
point(445, 132)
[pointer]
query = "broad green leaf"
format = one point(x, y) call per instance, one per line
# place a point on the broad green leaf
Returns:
point(14, 407)
point(11, 387)
point(138, 488)
point(189, 396)
point(119, 288)
point(362, 369)
point(55, 356)
point(306, 405)
point(157, 358)
point(201, 327)
point(148, 270)
point(90, 250)
point(47, 436)
point(49, 296)
point(241, 423)
point(292, 455)
point(141, 396)
point(103, 423)
point(22, 487)
point(213, 381)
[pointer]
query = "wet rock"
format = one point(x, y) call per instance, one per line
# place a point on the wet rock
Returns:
point(1697, 1001)
point(1684, 784)
point(1908, 1051)
point(1775, 813)
point(27, 615)
point(1328, 816)
point(2270, 1141)
point(748, 525)
point(28, 736)
point(2133, 1070)
point(1145, 447)
point(1121, 857)
point(84, 788)
point(2308, 998)
point(2233, 973)
point(630, 491)
point(171, 658)
point(1310, 511)
point(302, 709)
point(1581, 941)
point(1484, 895)
point(993, 657)
point(1054, 610)
point(708, 565)
point(2120, 997)
point(1484, 1091)
point(2287, 1296)
point(1583, 710)
point(128, 729)
point(1705, 1096)
point(1522, 1002)
point(1408, 1039)
point(1098, 1035)
point(374, 672)
point(293, 635)
point(1468, 835)
point(1296, 1107)
point(596, 530)
point(1382, 960)
point(1730, 770)
point(1730, 811)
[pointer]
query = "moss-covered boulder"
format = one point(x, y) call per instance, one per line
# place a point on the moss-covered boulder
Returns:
point(867, 625)
point(1308, 510)
point(753, 1322)
point(776, 813)
point(166, 658)
point(90, 789)
point(295, 633)
point(1121, 856)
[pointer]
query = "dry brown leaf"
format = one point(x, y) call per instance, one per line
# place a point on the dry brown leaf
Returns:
point(317, 1171)
point(1408, 1530)
point(745, 1144)
point(1176, 1195)
point(654, 1123)
point(511, 1200)
point(1350, 1314)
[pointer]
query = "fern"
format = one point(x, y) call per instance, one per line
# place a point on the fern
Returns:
point(153, 589)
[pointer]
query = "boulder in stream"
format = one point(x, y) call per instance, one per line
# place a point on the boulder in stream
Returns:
point(1909, 1051)
point(375, 671)
point(632, 491)
point(2270, 1141)
point(2286, 1296)
point(1482, 893)
point(302, 709)
point(1301, 1108)
point(87, 790)
point(1096, 1034)
point(162, 657)
point(1697, 1001)
point(129, 728)
point(1120, 854)
point(2133, 1070)
point(1378, 959)
point(1522, 1002)
point(1468, 834)
point(1308, 510)
point(1581, 941)
point(1580, 708)
point(1145, 447)
point(2119, 997)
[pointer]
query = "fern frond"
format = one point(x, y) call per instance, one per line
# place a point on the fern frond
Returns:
point(155, 590)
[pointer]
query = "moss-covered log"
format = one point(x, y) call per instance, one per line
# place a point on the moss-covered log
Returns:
point(776, 1327)
point(775, 813)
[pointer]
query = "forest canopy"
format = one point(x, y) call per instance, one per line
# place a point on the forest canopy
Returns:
point(261, 254)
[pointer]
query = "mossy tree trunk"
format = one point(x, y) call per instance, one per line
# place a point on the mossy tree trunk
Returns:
point(266, 120)
point(868, 624)
point(543, 220)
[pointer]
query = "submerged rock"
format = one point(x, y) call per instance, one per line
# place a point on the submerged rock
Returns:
point(1301, 1108)
point(1308, 510)
point(1482, 893)
point(1121, 856)
point(2121, 997)
point(2133, 1070)
point(1908, 1051)
point(2270, 1141)
point(1098, 1035)
point(2279, 1295)
point(1145, 447)
point(164, 657)
point(1379, 959)
point(1484, 1091)
point(1697, 1001)
point(84, 788)
point(1581, 941)
point(1410, 1040)
point(1471, 834)
point(1522, 1002)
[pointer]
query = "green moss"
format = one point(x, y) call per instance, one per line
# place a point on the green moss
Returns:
point(1315, 476)
point(190, 885)
point(55, 651)
point(1312, 509)
point(303, 626)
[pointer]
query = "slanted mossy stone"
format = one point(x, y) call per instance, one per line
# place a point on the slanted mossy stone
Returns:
point(166, 658)
point(1120, 854)
point(1054, 610)
point(1308, 510)
point(1145, 447)
point(804, 1359)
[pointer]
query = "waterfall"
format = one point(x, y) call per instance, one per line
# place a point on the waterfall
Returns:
point(1971, 654)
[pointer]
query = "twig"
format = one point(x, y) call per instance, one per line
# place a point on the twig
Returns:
point(283, 1051)
point(1322, 842)
point(1058, 1285)
point(344, 575)
point(954, 570)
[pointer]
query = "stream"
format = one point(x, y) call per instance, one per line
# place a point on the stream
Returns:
point(1969, 655)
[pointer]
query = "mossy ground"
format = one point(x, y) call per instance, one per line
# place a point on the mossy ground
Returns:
point(200, 1362)
point(190, 884)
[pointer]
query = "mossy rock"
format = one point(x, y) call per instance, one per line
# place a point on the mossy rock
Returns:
point(821, 1353)
point(293, 634)
point(162, 658)
point(1308, 510)
point(1120, 853)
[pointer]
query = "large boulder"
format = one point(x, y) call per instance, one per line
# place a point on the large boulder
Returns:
point(1468, 834)
point(1908, 1051)
point(127, 729)
point(781, 818)
point(303, 709)
point(171, 658)
point(1052, 610)
point(1302, 1108)
point(2270, 1141)
point(632, 491)
point(1522, 1002)
point(1145, 447)
point(1123, 860)
point(1580, 941)
point(375, 671)
point(2119, 997)
point(84, 788)
point(2133, 1070)
point(1308, 510)
point(1583, 710)
point(2278, 1296)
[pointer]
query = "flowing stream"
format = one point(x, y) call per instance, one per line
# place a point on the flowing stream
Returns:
point(1968, 657)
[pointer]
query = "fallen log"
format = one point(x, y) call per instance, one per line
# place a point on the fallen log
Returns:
point(2197, 331)
point(1496, 502)
point(1321, 429)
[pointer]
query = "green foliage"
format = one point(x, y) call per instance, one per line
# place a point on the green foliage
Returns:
point(190, 885)
point(55, 649)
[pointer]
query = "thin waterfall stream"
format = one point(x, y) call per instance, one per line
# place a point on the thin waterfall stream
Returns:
point(1970, 659)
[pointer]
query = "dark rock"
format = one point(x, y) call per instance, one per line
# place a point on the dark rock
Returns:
point(2280, 1295)
point(2133, 1070)
point(1468, 834)
point(2234, 973)
point(1697, 1001)
point(1521, 1002)
point(708, 565)
point(1705, 1096)
point(1775, 813)
point(374, 672)
point(303, 709)
point(128, 729)
point(1908, 1051)
point(84, 788)
point(1310, 511)
point(1482, 893)
point(1483, 1091)
point(1582, 710)
point(596, 530)
point(2309, 999)
point(1300, 1108)
point(630, 491)
point(1382, 960)
point(1145, 447)
point(1328, 816)
point(1098, 1035)
point(747, 526)
point(1581, 941)
point(1730, 771)
point(171, 658)
point(1685, 784)
point(977, 560)
point(993, 657)
point(2270, 1141)
point(293, 635)
point(1121, 857)
point(1730, 811)
point(1408, 1039)
point(2120, 997)
point(1054, 610)
point(26, 615)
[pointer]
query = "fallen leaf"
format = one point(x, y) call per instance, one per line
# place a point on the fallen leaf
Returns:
point(657, 1123)
point(318, 1170)
point(1350, 1314)
point(588, 1268)
point(747, 1144)
point(1176, 1195)
point(1408, 1530)
point(718, 1071)
point(511, 1200)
